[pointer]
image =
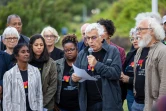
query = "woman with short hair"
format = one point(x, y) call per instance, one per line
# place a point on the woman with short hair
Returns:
point(10, 39)
point(67, 95)
point(51, 38)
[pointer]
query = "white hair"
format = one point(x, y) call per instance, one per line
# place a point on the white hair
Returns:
point(144, 15)
point(95, 26)
point(145, 41)
point(132, 32)
point(52, 30)
point(156, 27)
point(10, 31)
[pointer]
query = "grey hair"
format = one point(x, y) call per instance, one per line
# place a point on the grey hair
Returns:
point(156, 27)
point(133, 32)
point(95, 26)
point(12, 16)
point(52, 30)
point(10, 31)
point(144, 15)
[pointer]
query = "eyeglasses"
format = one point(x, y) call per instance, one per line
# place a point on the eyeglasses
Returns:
point(92, 38)
point(11, 38)
point(134, 38)
point(51, 36)
point(139, 29)
point(70, 50)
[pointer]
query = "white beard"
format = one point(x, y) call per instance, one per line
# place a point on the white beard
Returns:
point(145, 41)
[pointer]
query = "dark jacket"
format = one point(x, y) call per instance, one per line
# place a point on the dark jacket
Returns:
point(128, 57)
point(81, 45)
point(110, 70)
point(23, 39)
point(49, 83)
point(5, 61)
point(60, 68)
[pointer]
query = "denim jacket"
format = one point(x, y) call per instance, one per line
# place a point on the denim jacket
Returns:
point(110, 70)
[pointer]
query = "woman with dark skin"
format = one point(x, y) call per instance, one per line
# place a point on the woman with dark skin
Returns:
point(39, 58)
point(22, 88)
point(66, 95)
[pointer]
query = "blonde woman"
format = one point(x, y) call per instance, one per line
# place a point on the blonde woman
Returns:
point(51, 38)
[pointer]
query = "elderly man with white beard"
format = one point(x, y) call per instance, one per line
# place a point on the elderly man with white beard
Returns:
point(149, 65)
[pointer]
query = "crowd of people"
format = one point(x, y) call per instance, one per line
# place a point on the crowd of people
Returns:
point(35, 75)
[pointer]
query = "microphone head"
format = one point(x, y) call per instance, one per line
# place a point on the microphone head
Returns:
point(90, 50)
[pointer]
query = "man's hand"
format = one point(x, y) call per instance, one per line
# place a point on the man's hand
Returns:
point(92, 60)
point(75, 78)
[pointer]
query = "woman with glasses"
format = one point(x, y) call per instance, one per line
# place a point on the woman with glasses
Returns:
point(51, 38)
point(66, 95)
point(10, 39)
point(128, 68)
point(22, 88)
point(39, 58)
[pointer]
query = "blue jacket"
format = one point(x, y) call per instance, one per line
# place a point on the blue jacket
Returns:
point(110, 70)
point(5, 60)
point(81, 45)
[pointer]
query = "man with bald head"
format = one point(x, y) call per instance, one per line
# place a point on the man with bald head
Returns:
point(15, 21)
point(82, 44)
point(149, 65)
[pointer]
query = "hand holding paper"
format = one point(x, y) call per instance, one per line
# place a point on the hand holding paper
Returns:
point(82, 74)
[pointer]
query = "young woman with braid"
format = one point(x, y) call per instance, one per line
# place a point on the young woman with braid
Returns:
point(66, 95)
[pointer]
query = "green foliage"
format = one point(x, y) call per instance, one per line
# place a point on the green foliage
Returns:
point(123, 12)
point(37, 14)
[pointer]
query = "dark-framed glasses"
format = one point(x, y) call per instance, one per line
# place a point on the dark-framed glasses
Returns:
point(69, 50)
point(139, 29)
point(92, 38)
point(9, 39)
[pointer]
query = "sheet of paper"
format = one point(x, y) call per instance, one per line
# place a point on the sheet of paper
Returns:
point(83, 74)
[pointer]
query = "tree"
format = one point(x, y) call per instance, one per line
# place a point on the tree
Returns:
point(123, 12)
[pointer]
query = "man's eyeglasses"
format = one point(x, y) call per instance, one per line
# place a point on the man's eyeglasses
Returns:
point(70, 50)
point(51, 36)
point(92, 38)
point(139, 29)
point(11, 38)
point(134, 38)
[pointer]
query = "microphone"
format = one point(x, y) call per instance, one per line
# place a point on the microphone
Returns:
point(90, 50)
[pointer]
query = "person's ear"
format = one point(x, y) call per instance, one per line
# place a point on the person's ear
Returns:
point(4, 42)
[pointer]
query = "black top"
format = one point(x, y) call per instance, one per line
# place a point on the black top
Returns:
point(140, 77)
point(56, 54)
point(129, 68)
point(69, 94)
point(24, 75)
point(39, 64)
point(94, 88)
